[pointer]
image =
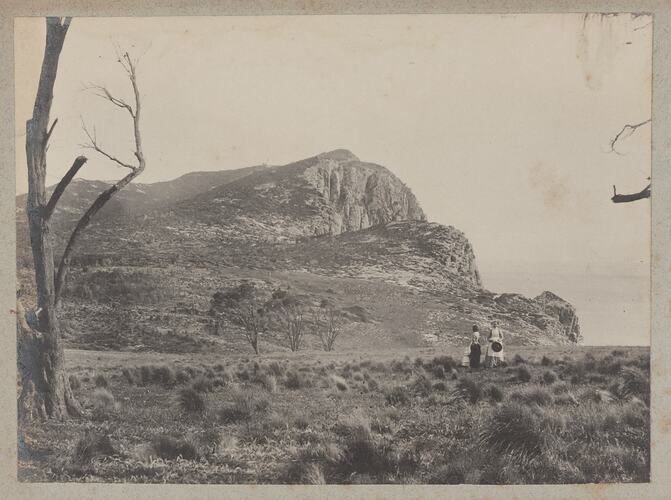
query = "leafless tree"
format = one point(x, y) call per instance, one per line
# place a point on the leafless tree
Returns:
point(626, 131)
point(328, 322)
point(292, 319)
point(253, 318)
point(45, 390)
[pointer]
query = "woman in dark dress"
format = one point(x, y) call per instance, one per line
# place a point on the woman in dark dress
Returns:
point(476, 351)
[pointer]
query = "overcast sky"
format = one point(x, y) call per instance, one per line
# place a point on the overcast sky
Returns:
point(499, 124)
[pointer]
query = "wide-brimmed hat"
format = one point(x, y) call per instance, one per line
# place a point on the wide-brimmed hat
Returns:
point(497, 346)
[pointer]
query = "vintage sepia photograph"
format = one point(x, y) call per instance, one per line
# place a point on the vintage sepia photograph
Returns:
point(334, 249)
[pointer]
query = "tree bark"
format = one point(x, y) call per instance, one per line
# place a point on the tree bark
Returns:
point(45, 390)
point(628, 198)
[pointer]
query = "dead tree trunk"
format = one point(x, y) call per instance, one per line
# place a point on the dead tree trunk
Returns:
point(45, 390)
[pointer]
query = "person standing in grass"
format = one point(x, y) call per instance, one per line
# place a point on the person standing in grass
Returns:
point(494, 353)
point(475, 353)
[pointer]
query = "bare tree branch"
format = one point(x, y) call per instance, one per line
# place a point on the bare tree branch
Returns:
point(56, 195)
point(104, 197)
point(93, 144)
point(627, 128)
point(626, 198)
point(102, 92)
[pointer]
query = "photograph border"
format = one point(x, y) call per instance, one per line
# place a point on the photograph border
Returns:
point(660, 347)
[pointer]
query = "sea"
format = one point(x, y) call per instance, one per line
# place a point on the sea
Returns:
point(613, 307)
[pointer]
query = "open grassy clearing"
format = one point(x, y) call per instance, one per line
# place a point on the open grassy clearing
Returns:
point(411, 416)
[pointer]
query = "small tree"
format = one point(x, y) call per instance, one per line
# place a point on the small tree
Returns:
point(251, 315)
point(328, 321)
point(291, 315)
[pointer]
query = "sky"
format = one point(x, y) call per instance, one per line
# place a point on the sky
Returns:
point(500, 124)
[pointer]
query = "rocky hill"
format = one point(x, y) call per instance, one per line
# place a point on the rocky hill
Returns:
point(327, 227)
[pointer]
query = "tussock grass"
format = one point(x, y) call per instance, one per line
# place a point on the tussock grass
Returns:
point(191, 401)
point(92, 444)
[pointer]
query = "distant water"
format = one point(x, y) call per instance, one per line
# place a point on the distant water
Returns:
point(613, 309)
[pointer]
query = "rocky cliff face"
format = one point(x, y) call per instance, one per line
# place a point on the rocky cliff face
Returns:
point(355, 195)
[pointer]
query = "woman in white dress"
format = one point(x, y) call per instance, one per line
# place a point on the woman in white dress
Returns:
point(493, 357)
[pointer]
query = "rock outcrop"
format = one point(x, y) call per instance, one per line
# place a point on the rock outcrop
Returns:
point(356, 195)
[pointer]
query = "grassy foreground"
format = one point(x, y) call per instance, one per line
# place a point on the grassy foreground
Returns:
point(569, 415)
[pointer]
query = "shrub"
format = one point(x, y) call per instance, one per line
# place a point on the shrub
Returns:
point(202, 384)
point(534, 395)
point(447, 362)
point(268, 382)
point(513, 428)
point(635, 383)
point(245, 407)
point(170, 447)
point(523, 374)
point(363, 455)
point(100, 381)
point(191, 401)
point(129, 376)
point(494, 393)
point(518, 360)
point(74, 382)
point(439, 386)
point(301, 422)
point(295, 380)
point(438, 371)
point(163, 375)
point(549, 377)
point(92, 444)
point(421, 385)
point(340, 383)
point(276, 368)
point(103, 401)
point(372, 384)
point(469, 389)
point(545, 361)
point(396, 395)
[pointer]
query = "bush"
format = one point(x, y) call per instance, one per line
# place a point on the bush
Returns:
point(276, 368)
point(494, 393)
point(74, 382)
point(518, 360)
point(245, 407)
point(295, 380)
point(163, 375)
point(513, 428)
point(103, 401)
point(447, 362)
point(439, 386)
point(549, 377)
point(396, 395)
point(129, 376)
point(90, 445)
point(100, 381)
point(545, 361)
point(635, 383)
point(362, 455)
point(191, 401)
point(169, 447)
point(182, 376)
point(534, 395)
point(438, 371)
point(340, 383)
point(421, 385)
point(469, 389)
point(202, 384)
point(523, 374)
